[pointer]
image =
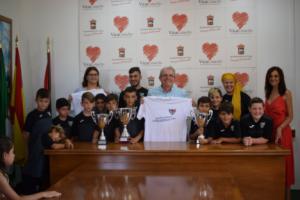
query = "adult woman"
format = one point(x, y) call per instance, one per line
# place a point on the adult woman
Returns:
point(235, 95)
point(279, 107)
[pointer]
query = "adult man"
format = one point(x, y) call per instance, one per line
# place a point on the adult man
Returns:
point(167, 88)
point(135, 77)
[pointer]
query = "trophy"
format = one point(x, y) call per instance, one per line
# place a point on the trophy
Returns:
point(103, 119)
point(125, 115)
point(201, 119)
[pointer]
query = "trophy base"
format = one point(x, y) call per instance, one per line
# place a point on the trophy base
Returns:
point(102, 142)
point(124, 140)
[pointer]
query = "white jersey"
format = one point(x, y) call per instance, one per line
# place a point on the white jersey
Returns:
point(76, 99)
point(165, 118)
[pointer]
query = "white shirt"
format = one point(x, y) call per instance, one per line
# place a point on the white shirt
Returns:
point(76, 99)
point(165, 118)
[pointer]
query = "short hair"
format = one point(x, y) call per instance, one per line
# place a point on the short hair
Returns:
point(134, 69)
point(100, 96)
point(59, 129)
point(226, 107)
point(166, 68)
point(255, 100)
point(214, 90)
point(88, 96)
point(129, 90)
point(203, 99)
point(42, 93)
point(112, 97)
point(61, 102)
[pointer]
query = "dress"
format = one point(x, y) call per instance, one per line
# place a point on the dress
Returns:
point(277, 110)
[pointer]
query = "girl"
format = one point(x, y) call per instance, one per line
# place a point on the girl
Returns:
point(7, 157)
point(216, 98)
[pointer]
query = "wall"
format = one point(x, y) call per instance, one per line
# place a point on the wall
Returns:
point(34, 20)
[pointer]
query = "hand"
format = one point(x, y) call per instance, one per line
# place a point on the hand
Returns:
point(69, 144)
point(70, 98)
point(50, 194)
point(278, 135)
point(133, 140)
point(117, 140)
point(217, 141)
point(248, 141)
point(203, 141)
point(142, 100)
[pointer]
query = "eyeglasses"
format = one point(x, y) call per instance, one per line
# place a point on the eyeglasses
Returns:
point(92, 74)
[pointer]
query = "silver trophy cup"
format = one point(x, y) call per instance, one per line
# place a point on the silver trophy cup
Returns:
point(125, 115)
point(103, 119)
point(201, 119)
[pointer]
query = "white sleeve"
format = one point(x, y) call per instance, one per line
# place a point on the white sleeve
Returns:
point(189, 108)
point(142, 113)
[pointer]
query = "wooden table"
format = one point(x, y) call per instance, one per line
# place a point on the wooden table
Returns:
point(259, 171)
point(88, 182)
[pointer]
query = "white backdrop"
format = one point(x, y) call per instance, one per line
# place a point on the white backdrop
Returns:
point(200, 39)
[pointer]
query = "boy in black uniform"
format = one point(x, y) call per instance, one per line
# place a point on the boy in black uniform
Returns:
point(135, 77)
point(84, 126)
point(135, 126)
point(63, 119)
point(37, 123)
point(225, 129)
point(203, 106)
point(256, 127)
point(100, 106)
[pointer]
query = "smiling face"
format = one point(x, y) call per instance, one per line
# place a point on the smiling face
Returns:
point(135, 79)
point(215, 99)
point(228, 85)
point(274, 78)
point(203, 107)
point(42, 103)
point(256, 110)
point(226, 118)
point(92, 77)
point(167, 78)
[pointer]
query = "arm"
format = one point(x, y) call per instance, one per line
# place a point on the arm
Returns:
point(248, 141)
point(117, 135)
point(9, 193)
point(95, 137)
point(199, 131)
point(289, 117)
point(137, 138)
point(226, 140)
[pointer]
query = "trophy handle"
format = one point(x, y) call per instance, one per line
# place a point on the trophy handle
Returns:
point(133, 113)
point(110, 116)
point(94, 117)
point(209, 116)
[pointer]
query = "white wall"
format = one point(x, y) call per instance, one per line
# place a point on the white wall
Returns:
point(278, 37)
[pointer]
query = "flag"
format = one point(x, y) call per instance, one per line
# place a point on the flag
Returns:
point(3, 95)
point(18, 111)
point(47, 77)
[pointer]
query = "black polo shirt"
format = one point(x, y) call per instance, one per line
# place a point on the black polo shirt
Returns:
point(194, 128)
point(47, 141)
point(245, 101)
point(218, 130)
point(83, 127)
point(65, 124)
point(33, 117)
point(142, 92)
point(134, 127)
point(110, 128)
point(262, 128)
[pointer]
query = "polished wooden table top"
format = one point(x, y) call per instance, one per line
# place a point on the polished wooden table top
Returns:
point(172, 148)
point(87, 182)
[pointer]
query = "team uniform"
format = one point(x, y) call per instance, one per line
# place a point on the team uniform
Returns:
point(217, 130)
point(262, 128)
point(65, 124)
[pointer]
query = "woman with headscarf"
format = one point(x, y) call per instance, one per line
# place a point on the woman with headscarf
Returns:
point(235, 95)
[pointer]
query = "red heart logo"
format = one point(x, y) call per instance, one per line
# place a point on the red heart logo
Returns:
point(121, 81)
point(121, 23)
point(181, 80)
point(240, 19)
point(242, 78)
point(210, 50)
point(93, 53)
point(92, 2)
point(150, 51)
point(179, 21)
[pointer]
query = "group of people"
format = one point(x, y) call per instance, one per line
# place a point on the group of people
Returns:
point(236, 118)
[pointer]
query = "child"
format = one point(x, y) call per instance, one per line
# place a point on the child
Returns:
point(63, 119)
point(56, 139)
point(37, 123)
point(135, 126)
point(215, 95)
point(225, 129)
point(111, 128)
point(203, 106)
point(100, 104)
point(7, 157)
point(85, 126)
point(256, 127)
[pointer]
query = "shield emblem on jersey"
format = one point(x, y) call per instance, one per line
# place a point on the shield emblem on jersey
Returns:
point(262, 124)
point(172, 111)
point(70, 123)
point(232, 128)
